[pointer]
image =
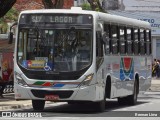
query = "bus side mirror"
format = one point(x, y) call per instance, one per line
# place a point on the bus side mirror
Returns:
point(10, 37)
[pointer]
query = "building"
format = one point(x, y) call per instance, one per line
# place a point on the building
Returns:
point(146, 10)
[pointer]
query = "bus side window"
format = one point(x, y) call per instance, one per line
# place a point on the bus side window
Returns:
point(99, 45)
point(107, 39)
point(122, 40)
point(114, 35)
point(129, 41)
point(148, 43)
point(142, 45)
point(136, 46)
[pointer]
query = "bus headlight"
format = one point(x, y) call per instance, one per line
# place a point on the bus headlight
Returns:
point(87, 80)
point(20, 80)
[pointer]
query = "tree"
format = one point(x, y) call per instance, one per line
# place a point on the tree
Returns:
point(5, 6)
point(96, 5)
point(10, 16)
point(21, 5)
point(86, 6)
point(53, 4)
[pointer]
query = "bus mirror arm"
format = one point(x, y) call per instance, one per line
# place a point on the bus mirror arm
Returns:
point(10, 37)
point(10, 34)
point(101, 28)
point(104, 37)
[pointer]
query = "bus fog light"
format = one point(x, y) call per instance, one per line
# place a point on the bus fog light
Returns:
point(20, 80)
point(87, 80)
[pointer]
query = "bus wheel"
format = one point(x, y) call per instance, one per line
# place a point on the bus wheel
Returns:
point(38, 104)
point(100, 106)
point(132, 99)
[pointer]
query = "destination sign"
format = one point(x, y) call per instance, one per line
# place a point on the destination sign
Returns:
point(61, 19)
point(56, 18)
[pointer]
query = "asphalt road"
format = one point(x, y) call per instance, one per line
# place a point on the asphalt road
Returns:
point(149, 103)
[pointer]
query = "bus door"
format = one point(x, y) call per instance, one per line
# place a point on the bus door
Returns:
point(100, 67)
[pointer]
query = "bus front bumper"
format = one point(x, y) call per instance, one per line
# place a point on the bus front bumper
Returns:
point(88, 93)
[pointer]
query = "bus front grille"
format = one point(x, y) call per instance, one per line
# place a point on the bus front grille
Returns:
point(42, 93)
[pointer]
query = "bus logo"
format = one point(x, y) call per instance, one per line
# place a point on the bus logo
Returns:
point(126, 69)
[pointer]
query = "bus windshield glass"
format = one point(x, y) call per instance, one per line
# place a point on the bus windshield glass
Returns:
point(50, 47)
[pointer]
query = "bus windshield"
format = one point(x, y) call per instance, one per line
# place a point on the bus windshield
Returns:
point(62, 49)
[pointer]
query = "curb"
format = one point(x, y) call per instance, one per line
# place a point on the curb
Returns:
point(12, 107)
point(19, 106)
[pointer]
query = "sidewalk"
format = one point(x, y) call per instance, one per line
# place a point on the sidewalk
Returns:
point(155, 85)
point(9, 103)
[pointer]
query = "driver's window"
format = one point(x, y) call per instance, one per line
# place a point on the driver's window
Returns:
point(99, 45)
point(84, 46)
point(99, 49)
point(107, 38)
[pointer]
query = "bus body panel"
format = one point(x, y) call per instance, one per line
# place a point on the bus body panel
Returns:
point(121, 68)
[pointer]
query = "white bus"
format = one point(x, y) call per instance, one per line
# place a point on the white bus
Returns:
point(80, 56)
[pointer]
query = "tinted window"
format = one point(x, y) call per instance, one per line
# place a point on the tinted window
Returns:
point(142, 42)
point(136, 46)
point(114, 39)
point(122, 40)
point(129, 41)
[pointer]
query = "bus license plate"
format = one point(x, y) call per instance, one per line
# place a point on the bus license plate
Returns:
point(51, 97)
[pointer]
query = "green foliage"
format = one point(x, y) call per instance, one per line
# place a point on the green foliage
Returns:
point(11, 16)
point(86, 6)
point(98, 9)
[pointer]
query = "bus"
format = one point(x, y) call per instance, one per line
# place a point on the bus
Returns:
point(78, 56)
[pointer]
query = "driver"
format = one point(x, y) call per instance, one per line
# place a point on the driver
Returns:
point(72, 41)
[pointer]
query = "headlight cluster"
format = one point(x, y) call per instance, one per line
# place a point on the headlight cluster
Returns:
point(87, 80)
point(20, 80)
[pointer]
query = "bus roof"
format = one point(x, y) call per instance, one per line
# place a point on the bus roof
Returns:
point(108, 18)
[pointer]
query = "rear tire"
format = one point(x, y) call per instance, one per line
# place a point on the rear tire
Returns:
point(38, 104)
point(132, 99)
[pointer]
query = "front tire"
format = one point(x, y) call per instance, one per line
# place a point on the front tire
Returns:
point(100, 106)
point(38, 104)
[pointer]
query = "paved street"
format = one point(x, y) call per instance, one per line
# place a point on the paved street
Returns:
point(148, 102)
